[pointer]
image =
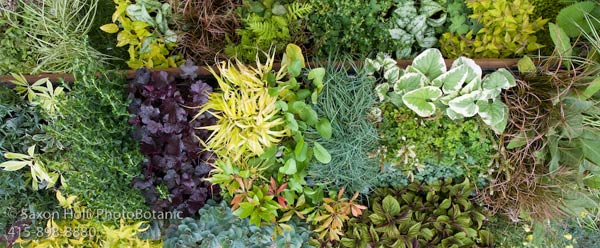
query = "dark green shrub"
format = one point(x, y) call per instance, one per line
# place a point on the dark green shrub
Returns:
point(439, 214)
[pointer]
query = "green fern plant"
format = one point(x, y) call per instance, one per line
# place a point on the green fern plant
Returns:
point(267, 24)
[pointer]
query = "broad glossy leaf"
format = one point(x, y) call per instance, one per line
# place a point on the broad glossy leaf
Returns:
point(526, 65)
point(419, 100)
point(381, 90)
point(473, 72)
point(493, 84)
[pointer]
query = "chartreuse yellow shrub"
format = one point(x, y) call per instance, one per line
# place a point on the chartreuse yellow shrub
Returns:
point(143, 26)
point(78, 230)
point(507, 30)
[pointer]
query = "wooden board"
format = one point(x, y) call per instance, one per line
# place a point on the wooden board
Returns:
point(486, 64)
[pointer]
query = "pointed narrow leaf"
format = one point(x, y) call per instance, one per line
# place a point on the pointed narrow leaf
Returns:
point(14, 165)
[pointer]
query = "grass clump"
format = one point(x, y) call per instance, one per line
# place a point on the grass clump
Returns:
point(346, 101)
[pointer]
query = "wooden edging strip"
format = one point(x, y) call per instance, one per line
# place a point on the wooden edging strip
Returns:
point(486, 64)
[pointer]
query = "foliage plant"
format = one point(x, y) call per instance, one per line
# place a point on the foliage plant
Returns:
point(175, 160)
point(458, 18)
point(507, 30)
point(40, 177)
point(41, 93)
point(16, 56)
point(547, 10)
point(403, 27)
point(56, 33)
point(85, 232)
point(99, 160)
point(572, 19)
point(439, 214)
point(428, 88)
point(549, 159)
point(412, 144)
point(414, 24)
point(266, 24)
point(203, 27)
point(346, 100)
point(21, 127)
point(264, 172)
point(219, 227)
point(144, 26)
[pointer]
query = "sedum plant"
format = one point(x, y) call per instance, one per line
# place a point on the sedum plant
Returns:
point(507, 30)
point(219, 227)
point(427, 88)
point(144, 26)
point(439, 214)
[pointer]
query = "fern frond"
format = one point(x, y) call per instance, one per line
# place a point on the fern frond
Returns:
point(298, 11)
point(265, 30)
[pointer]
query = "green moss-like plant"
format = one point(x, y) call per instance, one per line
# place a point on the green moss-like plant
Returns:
point(439, 214)
point(357, 27)
point(100, 159)
point(219, 227)
point(413, 144)
point(508, 29)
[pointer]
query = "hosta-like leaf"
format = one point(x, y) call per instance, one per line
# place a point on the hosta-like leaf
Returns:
point(409, 81)
point(465, 105)
point(419, 100)
point(430, 62)
point(392, 74)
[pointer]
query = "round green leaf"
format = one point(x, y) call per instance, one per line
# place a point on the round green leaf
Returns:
point(324, 128)
point(321, 153)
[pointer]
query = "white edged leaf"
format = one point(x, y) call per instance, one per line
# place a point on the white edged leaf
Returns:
point(372, 66)
point(494, 114)
point(493, 84)
point(430, 62)
point(392, 74)
point(471, 86)
point(512, 82)
point(381, 90)
point(474, 70)
point(452, 114)
point(465, 105)
point(420, 100)
point(451, 81)
point(409, 81)
point(445, 99)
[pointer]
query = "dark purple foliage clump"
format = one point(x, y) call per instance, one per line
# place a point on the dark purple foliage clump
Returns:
point(168, 136)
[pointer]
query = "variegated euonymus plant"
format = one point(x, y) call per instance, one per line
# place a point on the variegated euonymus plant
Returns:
point(427, 86)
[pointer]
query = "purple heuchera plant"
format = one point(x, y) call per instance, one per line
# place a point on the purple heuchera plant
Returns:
point(168, 137)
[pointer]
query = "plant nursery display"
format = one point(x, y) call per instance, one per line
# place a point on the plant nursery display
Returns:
point(300, 123)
